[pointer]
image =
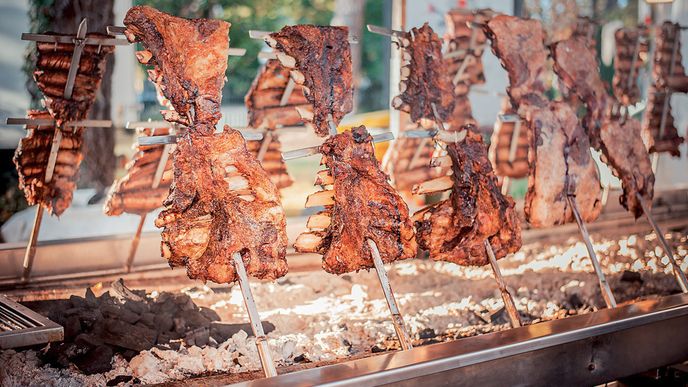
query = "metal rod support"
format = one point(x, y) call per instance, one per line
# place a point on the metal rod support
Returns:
point(678, 273)
point(31, 247)
point(397, 319)
point(506, 185)
point(604, 285)
point(261, 341)
point(134, 245)
point(509, 303)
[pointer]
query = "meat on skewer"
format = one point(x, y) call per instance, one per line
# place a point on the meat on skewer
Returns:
point(272, 160)
point(621, 144)
point(359, 205)
point(559, 156)
point(319, 59)
point(631, 49)
point(500, 148)
point(423, 82)
point(31, 160)
point(134, 192)
point(668, 46)
point(52, 68)
point(455, 229)
point(222, 202)
point(409, 162)
point(189, 59)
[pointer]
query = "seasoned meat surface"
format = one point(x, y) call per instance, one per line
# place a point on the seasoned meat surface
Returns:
point(264, 97)
point(189, 59)
point(455, 229)
point(221, 203)
point(31, 160)
point(322, 65)
point(52, 68)
point(137, 192)
point(360, 205)
point(621, 144)
point(423, 80)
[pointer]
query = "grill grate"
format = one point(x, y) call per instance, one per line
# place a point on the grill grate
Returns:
point(20, 326)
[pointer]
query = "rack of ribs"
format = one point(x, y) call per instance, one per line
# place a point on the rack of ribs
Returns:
point(508, 151)
point(271, 158)
point(559, 157)
point(621, 143)
point(359, 204)
point(466, 43)
point(632, 46)
point(423, 81)
point(408, 162)
point(455, 229)
point(137, 192)
point(319, 59)
point(264, 98)
point(31, 159)
point(220, 204)
point(658, 127)
point(52, 68)
point(221, 200)
point(189, 59)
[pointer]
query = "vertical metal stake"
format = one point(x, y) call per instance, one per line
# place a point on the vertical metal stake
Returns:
point(506, 296)
point(678, 273)
point(397, 319)
point(604, 286)
point(254, 317)
point(31, 247)
point(134, 244)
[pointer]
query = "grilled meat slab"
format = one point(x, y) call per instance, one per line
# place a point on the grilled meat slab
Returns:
point(189, 59)
point(455, 229)
point(264, 97)
point(409, 162)
point(320, 60)
point(621, 144)
point(222, 202)
point(135, 193)
point(31, 160)
point(469, 41)
point(631, 46)
point(360, 205)
point(560, 164)
point(52, 68)
point(423, 80)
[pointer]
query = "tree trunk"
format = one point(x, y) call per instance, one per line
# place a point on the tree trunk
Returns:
point(64, 16)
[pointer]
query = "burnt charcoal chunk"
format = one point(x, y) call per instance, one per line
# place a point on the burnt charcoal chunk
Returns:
point(97, 360)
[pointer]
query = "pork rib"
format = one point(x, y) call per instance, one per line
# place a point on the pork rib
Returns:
point(222, 202)
point(272, 160)
point(52, 67)
point(455, 230)
point(631, 46)
point(423, 81)
point(501, 143)
point(320, 58)
point(264, 97)
point(621, 144)
point(134, 193)
point(360, 205)
point(31, 160)
point(189, 59)
point(409, 162)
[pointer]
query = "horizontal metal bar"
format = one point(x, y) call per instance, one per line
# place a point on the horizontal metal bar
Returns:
point(313, 150)
point(172, 139)
point(148, 124)
point(235, 51)
point(115, 30)
point(384, 31)
point(69, 39)
point(119, 30)
point(509, 117)
point(41, 122)
point(587, 349)
point(442, 135)
point(257, 34)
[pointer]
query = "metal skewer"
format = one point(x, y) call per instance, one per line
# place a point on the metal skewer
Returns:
point(257, 326)
point(604, 285)
point(249, 135)
point(119, 30)
point(261, 35)
point(397, 319)
point(506, 295)
point(678, 273)
point(313, 150)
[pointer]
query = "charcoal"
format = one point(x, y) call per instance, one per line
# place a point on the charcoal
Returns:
point(575, 301)
point(179, 325)
point(210, 314)
point(95, 361)
point(427, 333)
point(198, 337)
point(116, 311)
point(72, 327)
point(222, 332)
point(77, 302)
point(631, 276)
point(164, 322)
point(376, 349)
point(499, 316)
point(90, 298)
point(138, 307)
point(194, 319)
point(119, 379)
point(121, 334)
point(85, 339)
point(148, 319)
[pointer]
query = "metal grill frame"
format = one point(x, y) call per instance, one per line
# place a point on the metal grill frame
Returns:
point(37, 329)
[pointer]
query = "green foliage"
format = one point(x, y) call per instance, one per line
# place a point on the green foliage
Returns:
point(245, 15)
point(374, 61)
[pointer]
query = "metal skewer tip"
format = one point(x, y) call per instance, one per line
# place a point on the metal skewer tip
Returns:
point(397, 319)
point(314, 150)
point(257, 326)
point(384, 31)
point(509, 303)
